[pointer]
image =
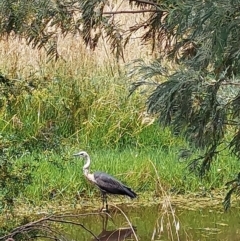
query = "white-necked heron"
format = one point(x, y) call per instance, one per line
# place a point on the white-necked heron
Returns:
point(105, 182)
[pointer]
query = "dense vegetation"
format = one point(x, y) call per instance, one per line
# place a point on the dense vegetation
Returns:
point(91, 110)
point(201, 95)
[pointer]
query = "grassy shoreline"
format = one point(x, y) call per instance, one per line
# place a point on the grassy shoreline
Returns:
point(58, 176)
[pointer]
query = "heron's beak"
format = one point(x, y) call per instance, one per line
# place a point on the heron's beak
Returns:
point(76, 154)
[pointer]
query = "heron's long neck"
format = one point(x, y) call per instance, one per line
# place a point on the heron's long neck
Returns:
point(86, 166)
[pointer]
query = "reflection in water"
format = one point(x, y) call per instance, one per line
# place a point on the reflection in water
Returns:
point(119, 234)
point(114, 235)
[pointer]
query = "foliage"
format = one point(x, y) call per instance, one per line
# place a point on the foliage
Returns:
point(195, 106)
point(201, 37)
point(200, 98)
point(38, 21)
point(235, 183)
point(13, 177)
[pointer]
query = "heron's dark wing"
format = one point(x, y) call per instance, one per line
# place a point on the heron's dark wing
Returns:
point(109, 184)
point(104, 180)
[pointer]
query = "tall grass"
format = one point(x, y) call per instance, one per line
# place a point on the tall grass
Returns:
point(76, 102)
point(75, 98)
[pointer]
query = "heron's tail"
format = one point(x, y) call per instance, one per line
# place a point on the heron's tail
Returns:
point(130, 192)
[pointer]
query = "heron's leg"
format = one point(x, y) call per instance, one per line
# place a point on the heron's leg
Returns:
point(105, 221)
point(102, 200)
point(106, 202)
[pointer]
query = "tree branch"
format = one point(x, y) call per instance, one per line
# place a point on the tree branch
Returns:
point(230, 83)
point(40, 225)
point(132, 11)
point(148, 3)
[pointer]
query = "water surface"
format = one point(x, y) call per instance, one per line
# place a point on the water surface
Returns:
point(158, 223)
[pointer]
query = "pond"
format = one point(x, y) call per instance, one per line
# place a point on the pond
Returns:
point(167, 220)
point(157, 223)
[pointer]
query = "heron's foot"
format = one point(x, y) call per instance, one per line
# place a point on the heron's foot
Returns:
point(104, 210)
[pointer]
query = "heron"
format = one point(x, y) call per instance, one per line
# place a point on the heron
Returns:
point(105, 182)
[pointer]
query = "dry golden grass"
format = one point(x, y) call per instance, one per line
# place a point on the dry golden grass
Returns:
point(17, 58)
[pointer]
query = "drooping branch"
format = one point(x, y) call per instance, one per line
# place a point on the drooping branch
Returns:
point(191, 103)
point(235, 188)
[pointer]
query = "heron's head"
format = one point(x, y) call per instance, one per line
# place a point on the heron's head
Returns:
point(82, 154)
